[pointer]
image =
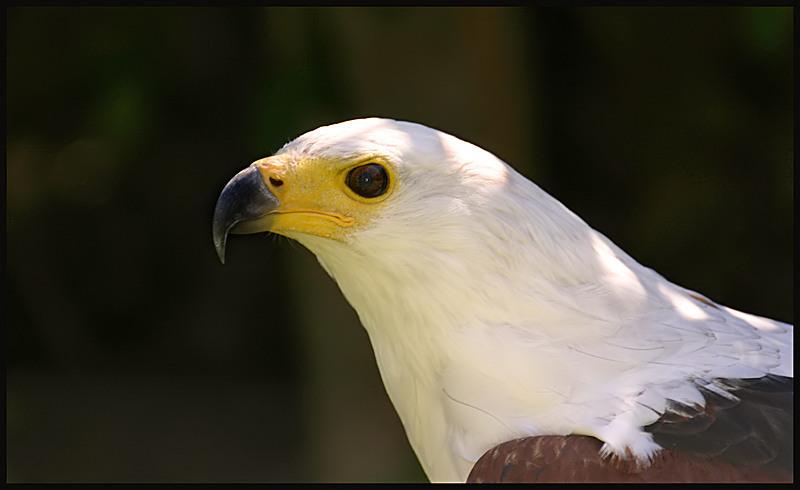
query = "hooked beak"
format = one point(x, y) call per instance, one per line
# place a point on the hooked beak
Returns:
point(244, 206)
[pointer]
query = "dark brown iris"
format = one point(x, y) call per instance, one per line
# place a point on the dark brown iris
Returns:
point(370, 180)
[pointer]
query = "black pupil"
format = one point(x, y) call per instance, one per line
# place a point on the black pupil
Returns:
point(368, 180)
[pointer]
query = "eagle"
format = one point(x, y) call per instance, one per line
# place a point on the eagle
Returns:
point(516, 342)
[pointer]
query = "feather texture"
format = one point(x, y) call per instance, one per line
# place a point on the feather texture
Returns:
point(576, 459)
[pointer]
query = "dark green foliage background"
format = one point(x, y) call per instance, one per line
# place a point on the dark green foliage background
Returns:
point(133, 355)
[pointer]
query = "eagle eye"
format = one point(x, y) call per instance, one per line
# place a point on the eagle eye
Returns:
point(370, 180)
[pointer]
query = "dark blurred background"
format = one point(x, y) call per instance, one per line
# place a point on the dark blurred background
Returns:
point(134, 356)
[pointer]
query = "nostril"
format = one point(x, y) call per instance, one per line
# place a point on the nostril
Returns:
point(275, 182)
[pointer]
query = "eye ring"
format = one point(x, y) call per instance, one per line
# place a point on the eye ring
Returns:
point(369, 181)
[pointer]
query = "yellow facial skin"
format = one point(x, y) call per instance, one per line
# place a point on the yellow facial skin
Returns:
point(314, 196)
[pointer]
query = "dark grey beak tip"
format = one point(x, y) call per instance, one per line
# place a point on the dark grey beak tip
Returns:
point(219, 245)
point(220, 229)
point(246, 197)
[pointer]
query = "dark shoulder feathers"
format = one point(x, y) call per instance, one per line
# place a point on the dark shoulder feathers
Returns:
point(746, 437)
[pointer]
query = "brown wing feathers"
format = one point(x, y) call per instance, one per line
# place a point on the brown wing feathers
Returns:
point(743, 438)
